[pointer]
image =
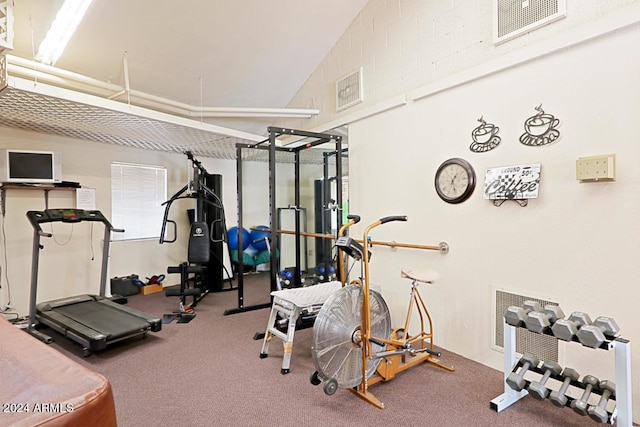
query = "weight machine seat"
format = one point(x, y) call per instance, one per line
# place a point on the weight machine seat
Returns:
point(184, 269)
point(189, 269)
point(33, 373)
point(426, 276)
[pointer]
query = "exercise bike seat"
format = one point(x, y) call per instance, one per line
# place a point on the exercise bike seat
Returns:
point(427, 276)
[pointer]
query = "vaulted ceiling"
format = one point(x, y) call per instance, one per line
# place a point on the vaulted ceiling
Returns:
point(204, 53)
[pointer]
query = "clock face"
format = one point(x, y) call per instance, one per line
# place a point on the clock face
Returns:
point(455, 180)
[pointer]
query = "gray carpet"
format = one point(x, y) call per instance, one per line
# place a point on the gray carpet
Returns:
point(208, 373)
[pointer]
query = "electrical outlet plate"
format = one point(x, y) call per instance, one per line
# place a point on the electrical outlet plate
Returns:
point(596, 168)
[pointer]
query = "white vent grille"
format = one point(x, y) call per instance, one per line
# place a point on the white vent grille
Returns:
point(515, 17)
point(543, 346)
point(349, 90)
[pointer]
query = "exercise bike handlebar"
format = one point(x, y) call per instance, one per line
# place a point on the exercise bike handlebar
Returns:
point(365, 237)
point(355, 218)
point(393, 218)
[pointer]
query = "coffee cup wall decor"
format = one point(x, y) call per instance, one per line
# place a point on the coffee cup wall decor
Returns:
point(540, 129)
point(485, 137)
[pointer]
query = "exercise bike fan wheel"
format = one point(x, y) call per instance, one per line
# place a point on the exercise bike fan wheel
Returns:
point(336, 346)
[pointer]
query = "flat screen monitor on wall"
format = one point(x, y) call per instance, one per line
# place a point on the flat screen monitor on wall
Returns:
point(29, 167)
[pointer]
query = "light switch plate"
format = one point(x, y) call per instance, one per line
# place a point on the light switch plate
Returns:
point(596, 168)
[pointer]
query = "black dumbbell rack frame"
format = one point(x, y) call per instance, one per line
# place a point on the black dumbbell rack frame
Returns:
point(622, 348)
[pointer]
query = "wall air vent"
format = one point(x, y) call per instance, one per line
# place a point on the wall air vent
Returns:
point(349, 90)
point(512, 18)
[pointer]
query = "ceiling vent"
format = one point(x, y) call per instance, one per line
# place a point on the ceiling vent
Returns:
point(512, 18)
point(349, 90)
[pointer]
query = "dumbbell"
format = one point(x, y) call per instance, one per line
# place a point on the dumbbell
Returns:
point(516, 316)
point(594, 335)
point(580, 405)
point(537, 389)
point(517, 381)
point(566, 329)
point(540, 321)
point(599, 413)
point(559, 397)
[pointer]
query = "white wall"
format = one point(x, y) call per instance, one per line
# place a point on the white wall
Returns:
point(577, 244)
point(74, 268)
point(405, 44)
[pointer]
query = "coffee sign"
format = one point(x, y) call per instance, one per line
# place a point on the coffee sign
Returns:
point(512, 182)
point(485, 137)
point(540, 129)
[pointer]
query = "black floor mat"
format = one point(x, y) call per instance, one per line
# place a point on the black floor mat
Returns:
point(182, 317)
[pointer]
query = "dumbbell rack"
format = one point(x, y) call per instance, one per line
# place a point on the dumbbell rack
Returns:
point(622, 348)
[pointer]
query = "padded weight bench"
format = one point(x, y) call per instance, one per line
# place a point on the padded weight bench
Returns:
point(42, 387)
point(290, 304)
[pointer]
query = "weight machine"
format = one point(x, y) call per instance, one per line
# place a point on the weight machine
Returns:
point(205, 262)
point(309, 140)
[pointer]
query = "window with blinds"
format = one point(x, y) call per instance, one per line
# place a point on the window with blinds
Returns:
point(137, 193)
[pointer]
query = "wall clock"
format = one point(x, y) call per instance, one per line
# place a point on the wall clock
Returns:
point(455, 180)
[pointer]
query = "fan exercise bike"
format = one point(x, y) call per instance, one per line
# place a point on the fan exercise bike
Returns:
point(353, 345)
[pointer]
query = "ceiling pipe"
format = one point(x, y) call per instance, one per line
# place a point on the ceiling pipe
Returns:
point(31, 69)
point(69, 80)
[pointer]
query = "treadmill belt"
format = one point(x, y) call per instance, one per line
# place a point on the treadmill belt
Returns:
point(105, 319)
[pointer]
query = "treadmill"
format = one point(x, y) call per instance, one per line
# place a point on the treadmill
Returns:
point(93, 321)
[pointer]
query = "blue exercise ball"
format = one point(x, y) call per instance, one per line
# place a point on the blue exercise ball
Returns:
point(233, 236)
point(259, 237)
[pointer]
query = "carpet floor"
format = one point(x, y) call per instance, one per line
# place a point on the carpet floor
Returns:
point(208, 373)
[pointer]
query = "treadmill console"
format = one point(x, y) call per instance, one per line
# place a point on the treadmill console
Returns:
point(65, 215)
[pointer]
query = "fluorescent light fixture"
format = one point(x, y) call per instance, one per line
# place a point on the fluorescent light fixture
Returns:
point(62, 28)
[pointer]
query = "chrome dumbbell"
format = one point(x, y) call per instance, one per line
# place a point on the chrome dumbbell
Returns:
point(559, 397)
point(516, 316)
point(517, 381)
point(540, 321)
point(594, 335)
point(599, 412)
point(581, 405)
point(566, 329)
point(538, 389)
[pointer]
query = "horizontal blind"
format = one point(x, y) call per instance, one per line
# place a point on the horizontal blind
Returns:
point(137, 193)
